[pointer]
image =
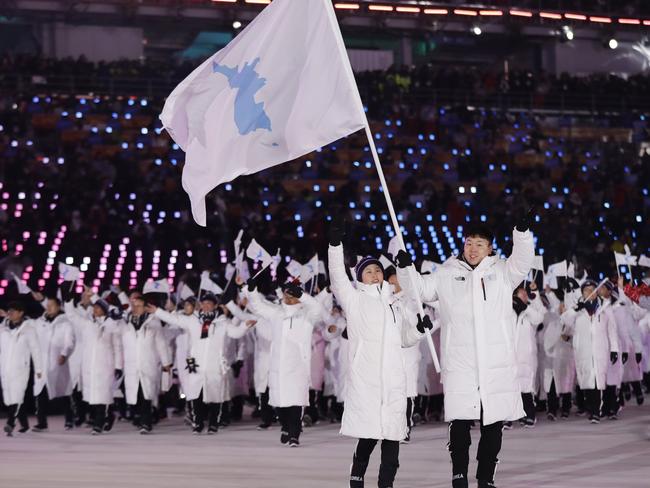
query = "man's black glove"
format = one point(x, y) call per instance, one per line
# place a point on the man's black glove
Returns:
point(117, 374)
point(293, 289)
point(115, 313)
point(336, 230)
point(579, 306)
point(403, 259)
point(638, 356)
point(236, 367)
point(424, 323)
point(624, 357)
point(613, 357)
point(523, 224)
point(191, 366)
point(252, 283)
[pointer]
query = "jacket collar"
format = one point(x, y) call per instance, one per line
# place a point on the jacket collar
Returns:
point(383, 291)
point(291, 310)
point(487, 262)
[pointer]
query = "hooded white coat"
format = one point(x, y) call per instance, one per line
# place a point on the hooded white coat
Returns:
point(526, 344)
point(561, 366)
point(102, 355)
point(378, 327)
point(145, 353)
point(594, 337)
point(212, 377)
point(289, 331)
point(56, 339)
point(479, 367)
point(17, 347)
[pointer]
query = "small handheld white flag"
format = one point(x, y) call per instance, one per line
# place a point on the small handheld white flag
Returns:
point(538, 263)
point(258, 254)
point(624, 259)
point(69, 273)
point(294, 268)
point(208, 285)
point(385, 262)
point(309, 270)
point(185, 292)
point(160, 286)
point(281, 89)
point(428, 266)
point(23, 289)
point(393, 247)
point(644, 261)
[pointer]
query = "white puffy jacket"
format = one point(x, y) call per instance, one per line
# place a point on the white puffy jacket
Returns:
point(479, 367)
point(17, 346)
point(378, 326)
point(526, 344)
point(56, 338)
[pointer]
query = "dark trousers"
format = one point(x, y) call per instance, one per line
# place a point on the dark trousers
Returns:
point(610, 400)
point(409, 413)
point(291, 419)
point(529, 405)
point(143, 411)
point(312, 409)
point(554, 400)
point(99, 413)
point(266, 410)
point(592, 401)
point(387, 468)
point(580, 399)
point(488, 448)
point(42, 406)
point(17, 412)
point(206, 411)
point(79, 408)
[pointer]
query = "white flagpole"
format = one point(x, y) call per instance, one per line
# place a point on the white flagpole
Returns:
point(389, 202)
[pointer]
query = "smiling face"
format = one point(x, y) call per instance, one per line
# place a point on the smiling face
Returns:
point(208, 306)
point(476, 249)
point(289, 299)
point(372, 275)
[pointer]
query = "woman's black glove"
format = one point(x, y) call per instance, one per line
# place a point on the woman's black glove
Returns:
point(424, 324)
point(613, 357)
point(523, 224)
point(624, 357)
point(336, 230)
point(403, 259)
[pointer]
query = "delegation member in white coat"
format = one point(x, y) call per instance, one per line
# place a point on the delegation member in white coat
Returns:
point(528, 314)
point(146, 356)
point(633, 314)
point(207, 384)
point(18, 345)
point(595, 343)
point(291, 326)
point(57, 342)
point(379, 325)
point(102, 362)
point(479, 366)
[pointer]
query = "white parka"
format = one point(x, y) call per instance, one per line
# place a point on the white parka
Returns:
point(56, 338)
point(593, 339)
point(146, 351)
point(479, 367)
point(378, 327)
point(102, 355)
point(561, 366)
point(526, 344)
point(213, 369)
point(17, 347)
point(290, 332)
point(620, 318)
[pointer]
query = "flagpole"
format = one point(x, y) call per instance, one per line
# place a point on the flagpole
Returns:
point(329, 8)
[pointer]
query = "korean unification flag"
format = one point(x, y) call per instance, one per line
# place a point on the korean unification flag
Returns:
point(69, 273)
point(160, 286)
point(281, 89)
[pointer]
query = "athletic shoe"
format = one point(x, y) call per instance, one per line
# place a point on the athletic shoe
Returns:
point(581, 413)
point(264, 426)
point(146, 430)
point(9, 429)
point(565, 415)
point(108, 425)
point(529, 423)
point(406, 440)
point(23, 430)
point(96, 431)
point(197, 429)
point(507, 426)
point(213, 430)
point(307, 421)
point(284, 437)
point(68, 426)
point(612, 417)
point(551, 416)
point(594, 419)
point(293, 442)
point(486, 484)
point(639, 399)
point(39, 428)
point(417, 418)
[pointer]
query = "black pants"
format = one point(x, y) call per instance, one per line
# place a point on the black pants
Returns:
point(488, 448)
point(312, 409)
point(143, 411)
point(580, 399)
point(17, 412)
point(592, 401)
point(387, 468)
point(291, 419)
point(99, 413)
point(409, 413)
point(43, 407)
point(79, 408)
point(206, 411)
point(554, 400)
point(266, 411)
point(529, 405)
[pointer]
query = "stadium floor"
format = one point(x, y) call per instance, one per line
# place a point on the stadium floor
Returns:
point(563, 454)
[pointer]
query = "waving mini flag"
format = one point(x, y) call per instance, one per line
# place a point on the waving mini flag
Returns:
point(160, 286)
point(23, 289)
point(69, 273)
point(208, 285)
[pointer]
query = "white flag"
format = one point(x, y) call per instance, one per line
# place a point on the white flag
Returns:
point(428, 266)
point(258, 254)
point(538, 263)
point(184, 291)
point(241, 265)
point(322, 270)
point(281, 89)
point(558, 269)
point(208, 285)
point(385, 262)
point(393, 247)
point(69, 273)
point(230, 271)
point(294, 268)
point(23, 289)
point(309, 270)
point(624, 259)
point(160, 286)
point(644, 261)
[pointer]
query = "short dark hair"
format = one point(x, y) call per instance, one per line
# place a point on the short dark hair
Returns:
point(55, 300)
point(478, 230)
point(17, 306)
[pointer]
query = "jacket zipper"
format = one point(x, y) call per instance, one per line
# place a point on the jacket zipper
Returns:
point(393, 312)
point(483, 286)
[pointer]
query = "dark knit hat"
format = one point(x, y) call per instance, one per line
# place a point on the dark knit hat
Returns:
point(588, 282)
point(365, 262)
point(210, 297)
